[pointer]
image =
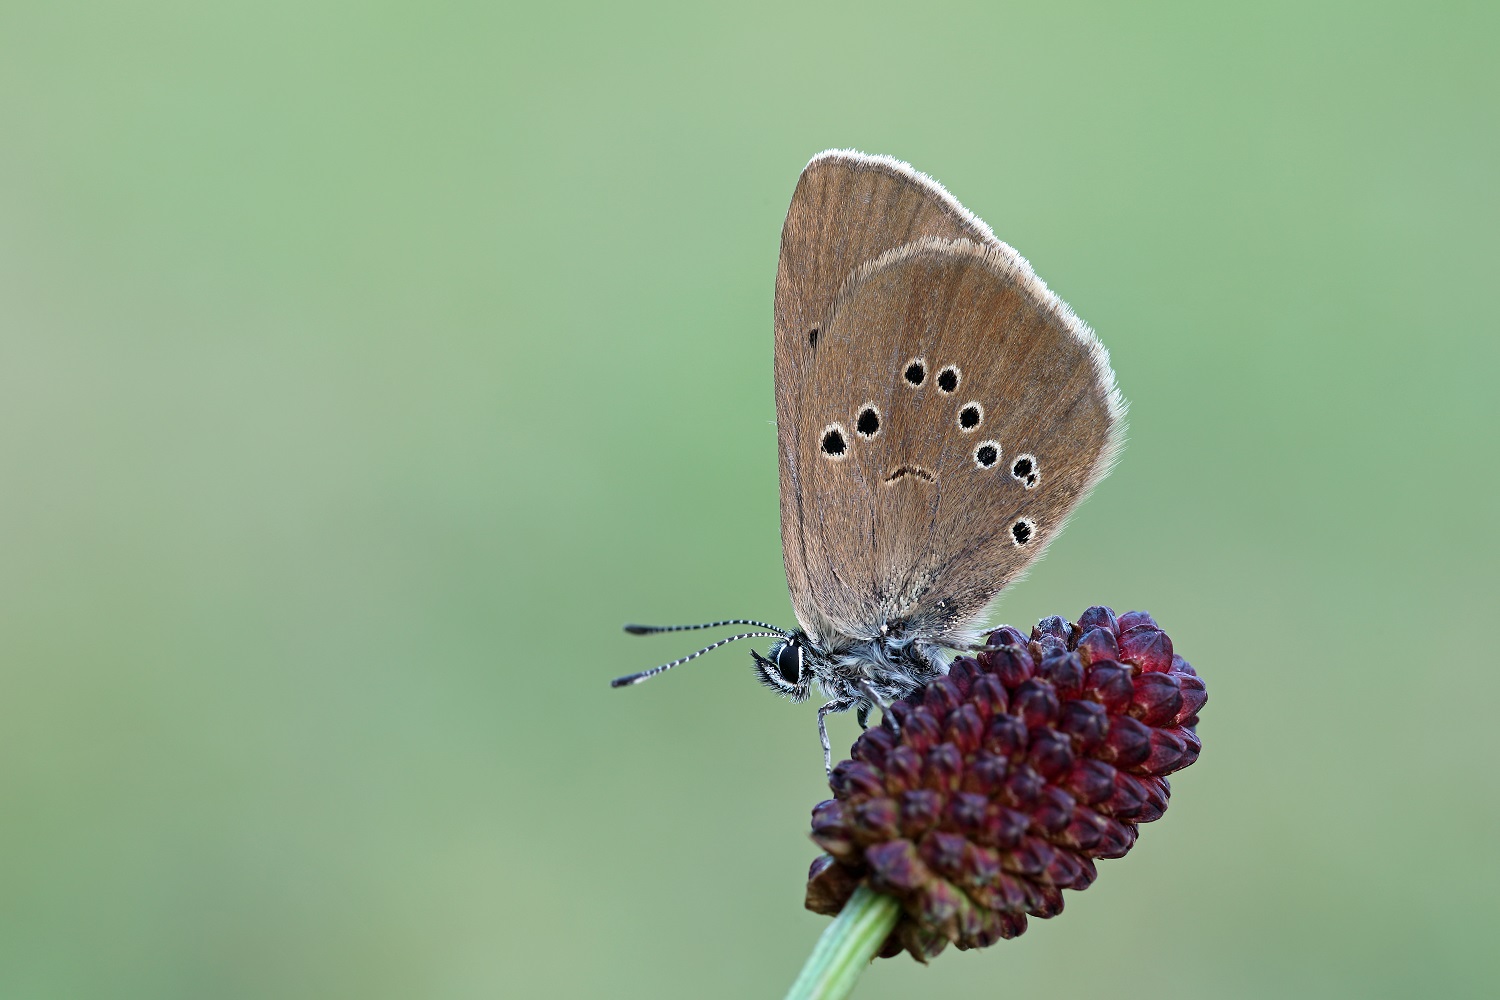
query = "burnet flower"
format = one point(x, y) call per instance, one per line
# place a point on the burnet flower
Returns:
point(1001, 783)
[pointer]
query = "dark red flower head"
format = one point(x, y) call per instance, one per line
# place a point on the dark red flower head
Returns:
point(1008, 778)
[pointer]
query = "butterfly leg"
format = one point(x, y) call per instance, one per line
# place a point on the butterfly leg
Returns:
point(871, 698)
point(836, 705)
point(862, 716)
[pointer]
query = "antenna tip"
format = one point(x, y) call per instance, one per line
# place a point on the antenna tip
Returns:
point(620, 682)
point(639, 629)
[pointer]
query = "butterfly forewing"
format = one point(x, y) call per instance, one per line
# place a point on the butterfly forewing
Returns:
point(847, 210)
point(927, 519)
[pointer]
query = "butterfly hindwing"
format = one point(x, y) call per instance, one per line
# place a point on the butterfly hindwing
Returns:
point(924, 521)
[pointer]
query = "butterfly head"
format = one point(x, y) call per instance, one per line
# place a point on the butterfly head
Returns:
point(788, 666)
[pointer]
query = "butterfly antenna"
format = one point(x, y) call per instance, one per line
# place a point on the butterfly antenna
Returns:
point(653, 629)
point(620, 682)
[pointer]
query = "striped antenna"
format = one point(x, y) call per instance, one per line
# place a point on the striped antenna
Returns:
point(620, 682)
point(653, 629)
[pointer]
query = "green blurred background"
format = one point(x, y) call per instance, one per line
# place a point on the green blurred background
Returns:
point(364, 366)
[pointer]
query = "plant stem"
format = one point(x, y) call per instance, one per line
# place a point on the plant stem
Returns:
point(846, 947)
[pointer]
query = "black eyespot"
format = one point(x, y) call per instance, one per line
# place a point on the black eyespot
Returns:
point(1024, 470)
point(833, 442)
point(987, 454)
point(970, 415)
point(869, 421)
point(1022, 531)
point(916, 373)
point(812, 337)
point(789, 663)
point(948, 379)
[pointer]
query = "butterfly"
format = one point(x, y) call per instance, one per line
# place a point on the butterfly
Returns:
point(939, 413)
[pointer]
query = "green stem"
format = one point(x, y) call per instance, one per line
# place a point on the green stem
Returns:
point(846, 947)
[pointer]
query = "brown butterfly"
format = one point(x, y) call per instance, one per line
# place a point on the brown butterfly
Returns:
point(939, 415)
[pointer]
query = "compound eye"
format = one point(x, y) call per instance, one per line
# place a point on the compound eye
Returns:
point(789, 663)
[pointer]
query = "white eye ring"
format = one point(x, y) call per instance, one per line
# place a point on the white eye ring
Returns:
point(976, 406)
point(958, 379)
point(833, 443)
point(1031, 476)
point(979, 462)
point(859, 421)
point(919, 363)
point(1023, 531)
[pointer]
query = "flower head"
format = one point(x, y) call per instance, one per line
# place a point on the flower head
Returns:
point(1003, 781)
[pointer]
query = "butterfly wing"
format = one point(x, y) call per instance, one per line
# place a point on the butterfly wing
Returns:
point(974, 462)
point(848, 209)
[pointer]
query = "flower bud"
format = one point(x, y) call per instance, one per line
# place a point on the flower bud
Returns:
point(987, 792)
